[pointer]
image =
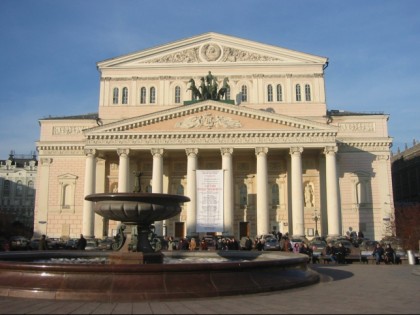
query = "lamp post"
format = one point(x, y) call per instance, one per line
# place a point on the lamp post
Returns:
point(316, 218)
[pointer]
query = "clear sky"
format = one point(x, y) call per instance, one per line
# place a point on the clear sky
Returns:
point(49, 50)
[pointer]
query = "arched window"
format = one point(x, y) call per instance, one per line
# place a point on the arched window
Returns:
point(244, 92)
point(143, 95)
point(180, 190)
point(275, 196)
point(67, 194)
point(19, 188)
point(307, 93)
point(243, 195)
point(125, 95)
point(298, 94)
point(269, 93)
point(177, 94)
point(279, 93)
point(152, 95)
point(115, 96)
point(31, 188)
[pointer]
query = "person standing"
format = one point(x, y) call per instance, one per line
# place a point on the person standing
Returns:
point(81, 243)
point(42, 243)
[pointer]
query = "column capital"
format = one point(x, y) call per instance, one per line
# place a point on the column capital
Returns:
point(296, 150)
point(90, 152)
point(45, 161)
point(191, 152)
point(226, 151)
point(330, 150)
point(123, 152)
point(382, 157)
point(157, 151)
point(261, 150)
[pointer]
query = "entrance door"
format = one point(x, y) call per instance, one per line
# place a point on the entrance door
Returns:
point(244, 229)
point(179, 229)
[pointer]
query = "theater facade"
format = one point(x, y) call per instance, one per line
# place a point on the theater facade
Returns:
point(257, 113)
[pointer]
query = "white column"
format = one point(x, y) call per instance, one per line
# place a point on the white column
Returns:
point(227, 190)
point(88, 223)
point(157, 177)
point(41, 211)
point(297, 191)
point(333, 211)
point(192, 191)
point(123, 169)
point(263, 219)
point(157, 181)
point(384, 175)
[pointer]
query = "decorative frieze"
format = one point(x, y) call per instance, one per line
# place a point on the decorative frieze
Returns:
point(68, 130)
point(208, 121)
point(357, 127)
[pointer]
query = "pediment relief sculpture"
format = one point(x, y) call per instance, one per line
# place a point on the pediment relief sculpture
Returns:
point(210, 53)
point(208, 121)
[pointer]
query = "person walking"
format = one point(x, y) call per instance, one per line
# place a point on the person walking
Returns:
point(42, 243)
point(81, 243)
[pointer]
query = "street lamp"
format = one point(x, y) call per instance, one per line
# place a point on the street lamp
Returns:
point(316, 218)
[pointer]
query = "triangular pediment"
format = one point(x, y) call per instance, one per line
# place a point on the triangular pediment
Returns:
point(212, 48)
point(211, 117)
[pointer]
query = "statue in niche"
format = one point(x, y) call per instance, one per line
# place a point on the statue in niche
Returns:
point(309, 196)
point(137, 181)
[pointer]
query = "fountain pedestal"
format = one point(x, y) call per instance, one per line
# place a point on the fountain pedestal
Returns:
point(145, 256)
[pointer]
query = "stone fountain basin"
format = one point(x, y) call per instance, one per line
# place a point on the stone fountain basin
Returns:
point(245, 272)
point(137, 207)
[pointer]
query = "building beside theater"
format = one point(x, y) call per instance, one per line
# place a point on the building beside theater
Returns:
point(289, 163)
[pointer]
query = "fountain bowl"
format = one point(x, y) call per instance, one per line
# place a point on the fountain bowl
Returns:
point(134, 208)
point(241, 272)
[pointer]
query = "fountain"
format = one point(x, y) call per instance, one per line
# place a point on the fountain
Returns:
point(140, 273)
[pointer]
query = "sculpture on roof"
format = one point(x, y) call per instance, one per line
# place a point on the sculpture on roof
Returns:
point(209, 88)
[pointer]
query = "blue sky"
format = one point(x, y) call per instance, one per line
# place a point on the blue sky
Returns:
point(49, 50)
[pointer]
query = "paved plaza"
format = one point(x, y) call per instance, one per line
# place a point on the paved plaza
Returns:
point(344, 289)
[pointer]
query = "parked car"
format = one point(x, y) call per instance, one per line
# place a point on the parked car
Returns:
point(19, 243)
point(271, 244)
point(346, 243)
point(71, 243)
point(4, 244)
point(91, 244)
point(317, 247)
point(106, 244)
point(296, 240)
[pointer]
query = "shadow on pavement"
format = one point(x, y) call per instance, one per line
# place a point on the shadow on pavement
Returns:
point(331, 274)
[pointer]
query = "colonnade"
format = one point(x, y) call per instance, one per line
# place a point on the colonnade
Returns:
point(263, 222)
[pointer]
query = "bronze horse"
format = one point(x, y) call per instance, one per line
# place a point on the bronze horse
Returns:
point(223, 89)
point(195, 92)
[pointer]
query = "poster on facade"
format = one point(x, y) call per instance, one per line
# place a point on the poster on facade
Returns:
point(209, 200)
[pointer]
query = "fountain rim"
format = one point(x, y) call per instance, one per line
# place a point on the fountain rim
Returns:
point(153, 198)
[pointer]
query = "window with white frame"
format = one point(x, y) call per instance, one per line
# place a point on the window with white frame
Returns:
point(143, 95)
point(125, 95)
point(152, 95)
point(307, 92)
point(269, 93)
point(279, 91)
point(177, 95)
point(115, 96)
point(244, 93)
point(298, 93)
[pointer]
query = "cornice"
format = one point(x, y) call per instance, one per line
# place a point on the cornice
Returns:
point(188, 110)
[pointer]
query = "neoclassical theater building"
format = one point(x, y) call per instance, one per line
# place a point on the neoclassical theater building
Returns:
point(288, 162)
